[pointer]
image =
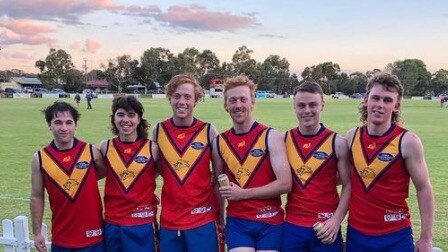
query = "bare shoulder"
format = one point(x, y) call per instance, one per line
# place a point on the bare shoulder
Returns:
point(411, 145)
point(350, 134)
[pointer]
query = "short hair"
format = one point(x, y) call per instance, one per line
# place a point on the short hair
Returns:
point(129, 103)
point(309, 87)
point(60, 106)
point(180, 79)
point(240, 80)
point(391, 83)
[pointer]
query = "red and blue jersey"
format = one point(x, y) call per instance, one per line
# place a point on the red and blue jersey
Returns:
point(312, 159)
point(129, 197)
point(380, 183)
point(71, 183)
point(248, 164)
point(188, 200)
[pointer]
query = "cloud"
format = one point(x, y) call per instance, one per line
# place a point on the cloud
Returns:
point(92, 46)
point(75, 45)
point(272, 36)
point(197, 17)
point(67, 11)
point(21, 31)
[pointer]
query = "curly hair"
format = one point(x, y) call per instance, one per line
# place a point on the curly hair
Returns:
point(60, 106)
point(180, 79)
point(129, 103)
point(240, 80)
point(391, 83)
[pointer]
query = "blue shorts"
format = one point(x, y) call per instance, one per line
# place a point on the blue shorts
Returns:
point(99, 247)
point(130, 238)
point(304, 239)
point(205, 238)
point(400, 241)
point(252, 234)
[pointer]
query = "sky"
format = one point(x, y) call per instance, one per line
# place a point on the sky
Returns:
point(357, 35)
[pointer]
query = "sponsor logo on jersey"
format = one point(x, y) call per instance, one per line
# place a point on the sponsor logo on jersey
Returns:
point(267, 212)
point(385, 157)
point(201, 210)
point(371, 146)
point(197, 146)
point(82, 165)
point(306, 145)
point(256, 153)
point(66, 159)
point(241, 144)
point(141, 159)
point(320, 155)
point(94, 232)
point(181, 136)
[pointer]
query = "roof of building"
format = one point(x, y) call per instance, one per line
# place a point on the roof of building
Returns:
point(27, 80)
point(96, 83)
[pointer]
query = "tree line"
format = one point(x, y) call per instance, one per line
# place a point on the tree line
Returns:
point(158, 65)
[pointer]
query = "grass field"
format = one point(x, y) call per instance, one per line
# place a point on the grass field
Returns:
point(23, 130)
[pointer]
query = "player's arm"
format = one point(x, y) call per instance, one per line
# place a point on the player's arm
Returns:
point(330, 230)
point(37, 198)
point(413, 154)
point(158, 162)
point(156, 156)
point(98, 160)
point(280, 166)
point(217, 168)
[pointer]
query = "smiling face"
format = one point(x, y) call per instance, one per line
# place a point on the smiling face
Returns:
point(63, 127)
point(126, 122)
point(239, 104)
point(307, 107)
point(380, 104)
point(183, 101)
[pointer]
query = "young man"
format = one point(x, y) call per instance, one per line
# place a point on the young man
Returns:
point(68, 169)
point(253, 156)
point(317, 157)
point(189, 216)
point(385, 158)
point(129, 200)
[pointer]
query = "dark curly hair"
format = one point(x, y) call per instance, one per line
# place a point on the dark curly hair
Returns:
point(130, 103)
point(60, 106)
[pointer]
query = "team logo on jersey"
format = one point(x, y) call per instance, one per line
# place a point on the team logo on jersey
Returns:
point(367, 173)
point(304, 169)
point(242, 172)
point(181, 136)
point(256, 153)
point(320, 155)
point(371, 146)
point(82, 165)
point(69, 184)
point(197, 146)
point(306, 145)
point(141, 159)
point(66, 159)
point(385, 157)
point(127, 175)
point(127, 151)
point(181, 164)
point(241, 144)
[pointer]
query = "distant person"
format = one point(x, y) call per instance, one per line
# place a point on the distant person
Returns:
point(189, 219)
point(386, 157)
point(130, 204)
point(68, 169)
point(77, 99)
point(253, 156)
point(318, 157)
point(89, 97)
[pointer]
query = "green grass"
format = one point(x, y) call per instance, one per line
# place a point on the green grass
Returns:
point(23, 130)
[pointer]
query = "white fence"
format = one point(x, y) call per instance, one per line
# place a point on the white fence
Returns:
point(16, 235)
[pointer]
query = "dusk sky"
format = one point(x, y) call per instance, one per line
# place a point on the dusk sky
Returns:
point(357, 35)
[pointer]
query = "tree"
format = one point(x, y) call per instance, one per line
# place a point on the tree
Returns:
point(120, 72)
point(54, 70)
point(273, 74)
point(439, 82)
point(156, 66)
point(242, 63)
point(326, 74)
point(412, 74)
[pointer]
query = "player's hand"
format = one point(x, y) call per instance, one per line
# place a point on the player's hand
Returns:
point(329, 231)
point(232, 192)
point(423, 245)
point(39, 243)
